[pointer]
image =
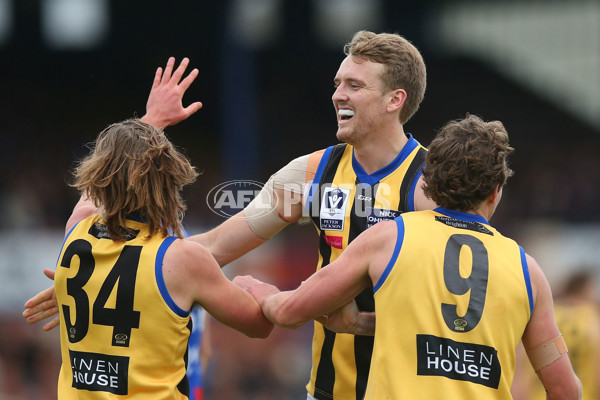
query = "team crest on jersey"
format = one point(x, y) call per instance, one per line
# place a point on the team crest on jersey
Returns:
point(100, 231)
point(333, 208)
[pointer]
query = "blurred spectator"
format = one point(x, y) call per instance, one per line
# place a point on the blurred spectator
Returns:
point(577, 313)
point(29, 361)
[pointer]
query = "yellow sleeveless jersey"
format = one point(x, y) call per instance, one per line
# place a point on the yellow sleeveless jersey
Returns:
point(451, 306)
point(122, 336)
point(343, 201)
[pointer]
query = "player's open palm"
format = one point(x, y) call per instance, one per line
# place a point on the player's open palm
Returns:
point(165, 102)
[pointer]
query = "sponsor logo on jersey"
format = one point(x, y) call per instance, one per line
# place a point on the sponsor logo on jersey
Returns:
point(334, 241)
point(99, 372)
point(457, 360)
point(375, 215)
point(460, 224)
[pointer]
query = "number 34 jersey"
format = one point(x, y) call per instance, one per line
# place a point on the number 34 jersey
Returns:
point(451, 305)
point(121, 333)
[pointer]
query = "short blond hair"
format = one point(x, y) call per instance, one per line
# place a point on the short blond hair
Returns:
point(404, 65)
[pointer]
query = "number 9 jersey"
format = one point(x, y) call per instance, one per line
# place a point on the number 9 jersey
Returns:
point(451, 306)
point(119, 328)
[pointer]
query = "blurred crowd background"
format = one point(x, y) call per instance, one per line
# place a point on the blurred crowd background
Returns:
point(71, 67)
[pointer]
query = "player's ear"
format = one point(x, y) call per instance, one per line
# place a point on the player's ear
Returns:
point(496, 195)
point(396, 100)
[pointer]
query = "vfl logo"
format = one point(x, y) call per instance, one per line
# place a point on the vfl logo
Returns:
point(229, 198)
point(335, 200)
point(333, 208)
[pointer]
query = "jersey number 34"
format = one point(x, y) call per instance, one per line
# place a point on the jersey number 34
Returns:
point(122, 276)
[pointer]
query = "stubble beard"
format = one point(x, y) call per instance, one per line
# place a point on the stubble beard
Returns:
point(351, 135)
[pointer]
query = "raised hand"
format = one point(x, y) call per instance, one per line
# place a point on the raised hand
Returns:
point(165, 102)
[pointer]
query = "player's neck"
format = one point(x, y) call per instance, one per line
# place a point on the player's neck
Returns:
point(485, 210)
point(376, 153)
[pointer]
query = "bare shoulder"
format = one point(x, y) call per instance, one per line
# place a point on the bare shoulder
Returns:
point(374, 246)
point(542, 325)
point(185, 261)
point(382, 244)
point(189, 270)
point(377, 236)
point(188, 254)
point(539, 283)
point(383, 229)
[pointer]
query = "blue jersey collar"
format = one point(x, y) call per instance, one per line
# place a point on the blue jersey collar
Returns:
point(376, 176)
point(463, 216)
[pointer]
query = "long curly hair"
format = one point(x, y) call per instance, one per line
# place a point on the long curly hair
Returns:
point(466, 161)
point(134, 168)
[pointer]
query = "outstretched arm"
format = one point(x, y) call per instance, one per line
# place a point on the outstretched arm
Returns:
point(278, 204)
point(164, 108)
point(230, 240)
point(165, 102)
point(332, 287)
point(192, 275)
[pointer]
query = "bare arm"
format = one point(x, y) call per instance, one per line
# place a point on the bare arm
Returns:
point(246, 230)
point(227, 242)
point(230, 240)
point(193, 276)
point(206, 346)
point(558, 378)
point(332, 287)
point(164, 108)
point(349, 319)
